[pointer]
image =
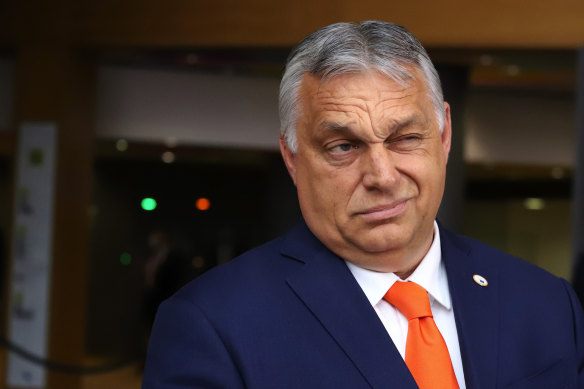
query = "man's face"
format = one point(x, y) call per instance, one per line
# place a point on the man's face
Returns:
point(370, 167)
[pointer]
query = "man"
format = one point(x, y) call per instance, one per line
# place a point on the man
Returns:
point(365, 136)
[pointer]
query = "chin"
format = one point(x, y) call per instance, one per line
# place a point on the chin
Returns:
point(380, 247)
point(375, 242)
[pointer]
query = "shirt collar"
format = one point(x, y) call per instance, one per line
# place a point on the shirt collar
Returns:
point(430, 274)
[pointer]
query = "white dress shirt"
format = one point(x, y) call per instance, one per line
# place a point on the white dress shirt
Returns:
point(431, 275)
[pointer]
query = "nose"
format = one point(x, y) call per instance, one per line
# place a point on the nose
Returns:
point(379, 169)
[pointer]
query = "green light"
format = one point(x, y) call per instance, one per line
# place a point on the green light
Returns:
point(148, 204)
point(122, 145)
point(125, 259)
point(534, 204)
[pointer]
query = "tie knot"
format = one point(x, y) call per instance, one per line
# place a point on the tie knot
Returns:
point(410, 298)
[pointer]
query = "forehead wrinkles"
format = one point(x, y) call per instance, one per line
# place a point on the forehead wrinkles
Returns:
point(379, 110)
point(369, 102)
point(361, 90)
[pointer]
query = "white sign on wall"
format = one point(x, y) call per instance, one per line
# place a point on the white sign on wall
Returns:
point(31, 254)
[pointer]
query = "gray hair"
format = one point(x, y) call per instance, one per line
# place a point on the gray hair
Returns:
point(351, 48)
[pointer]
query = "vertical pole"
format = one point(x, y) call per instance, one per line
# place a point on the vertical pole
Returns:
point(578, 185)
point(454, 83)
point(57, 85)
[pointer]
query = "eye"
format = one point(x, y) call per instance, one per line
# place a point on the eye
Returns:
point(406, 142)
point(343, 148)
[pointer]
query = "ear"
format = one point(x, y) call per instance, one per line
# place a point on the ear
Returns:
point(289, 159)
point(446, 130)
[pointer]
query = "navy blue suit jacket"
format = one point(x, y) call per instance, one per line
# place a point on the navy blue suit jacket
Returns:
point(289, 314)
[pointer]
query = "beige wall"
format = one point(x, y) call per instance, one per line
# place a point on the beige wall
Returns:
point(541, 237)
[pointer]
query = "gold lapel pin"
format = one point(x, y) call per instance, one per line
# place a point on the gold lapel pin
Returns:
point(482, 281)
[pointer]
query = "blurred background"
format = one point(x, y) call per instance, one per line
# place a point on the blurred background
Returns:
point(139, 148)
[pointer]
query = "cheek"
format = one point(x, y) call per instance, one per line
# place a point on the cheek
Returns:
point(431, 183)
point(426, 174)
point(330, 190)
point(314, 186)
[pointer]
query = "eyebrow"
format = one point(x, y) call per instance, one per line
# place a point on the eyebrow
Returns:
point(336, 127)
point(393, 127)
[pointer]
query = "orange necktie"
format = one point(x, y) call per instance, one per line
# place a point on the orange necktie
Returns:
point(426, 352)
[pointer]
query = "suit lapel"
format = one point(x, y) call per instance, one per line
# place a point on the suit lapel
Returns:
point(475, 310)
point(333, 296)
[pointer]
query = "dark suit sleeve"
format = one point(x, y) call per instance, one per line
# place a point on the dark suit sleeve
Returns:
point(578, 331)
point(185, 351)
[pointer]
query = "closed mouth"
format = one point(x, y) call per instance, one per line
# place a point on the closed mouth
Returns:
point(383, 212)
